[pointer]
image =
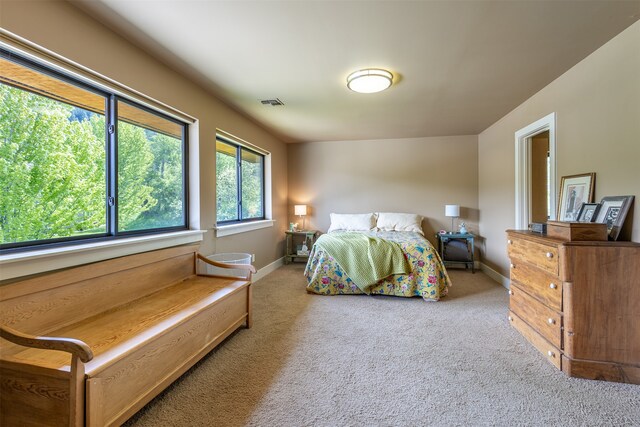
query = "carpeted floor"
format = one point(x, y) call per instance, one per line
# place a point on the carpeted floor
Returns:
point(315, 360)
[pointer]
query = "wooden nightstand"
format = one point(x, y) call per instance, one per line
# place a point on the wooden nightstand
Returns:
point(291, 251)
point(456, 249)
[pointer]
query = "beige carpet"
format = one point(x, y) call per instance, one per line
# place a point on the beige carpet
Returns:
point(314, 360)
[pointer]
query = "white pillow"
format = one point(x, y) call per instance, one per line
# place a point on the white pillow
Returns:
point(399, 222)
point(352, 222)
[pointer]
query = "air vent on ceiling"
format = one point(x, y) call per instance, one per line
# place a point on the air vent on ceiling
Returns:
point(273, 102)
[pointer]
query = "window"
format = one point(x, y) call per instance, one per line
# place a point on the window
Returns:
point(68, 173)
point(239, 183)
point(150, 165)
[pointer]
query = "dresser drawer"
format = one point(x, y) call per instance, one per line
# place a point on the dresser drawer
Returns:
point(538, 283)
point(542, 256)
point(544, 320)
point(550, 352)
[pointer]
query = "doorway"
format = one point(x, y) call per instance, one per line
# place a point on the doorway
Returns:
point(536, 172)
point(540, 205)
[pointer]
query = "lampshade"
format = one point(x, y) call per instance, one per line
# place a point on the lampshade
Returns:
point(370, 80)
point(452, 210)
point(300, 210)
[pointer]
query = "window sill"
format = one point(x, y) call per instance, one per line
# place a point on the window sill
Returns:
point(228, 230)
point(37, 261)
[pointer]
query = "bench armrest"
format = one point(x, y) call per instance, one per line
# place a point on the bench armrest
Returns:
point(248, 267)
point(70, 345)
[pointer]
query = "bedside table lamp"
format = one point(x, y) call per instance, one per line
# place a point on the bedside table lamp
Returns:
point(452, 211)
point(301, 211)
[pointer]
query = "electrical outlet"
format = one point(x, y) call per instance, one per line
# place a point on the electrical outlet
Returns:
point(253, 257)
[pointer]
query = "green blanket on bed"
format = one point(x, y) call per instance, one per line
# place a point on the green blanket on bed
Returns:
point(365, 259)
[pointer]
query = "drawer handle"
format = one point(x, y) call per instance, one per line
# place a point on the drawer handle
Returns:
point(553, 286)
point(551, 321)
point(512, 265)
point(549, 255)
point(510, 242)
point(510, 292)
point(551, 353)
point(510, 319)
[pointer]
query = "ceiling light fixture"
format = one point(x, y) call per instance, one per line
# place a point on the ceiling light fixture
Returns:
point(370, 80)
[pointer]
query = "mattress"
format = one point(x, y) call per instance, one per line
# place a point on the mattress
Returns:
point(428, 277)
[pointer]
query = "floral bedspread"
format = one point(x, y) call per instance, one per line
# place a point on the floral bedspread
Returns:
point(427, 279)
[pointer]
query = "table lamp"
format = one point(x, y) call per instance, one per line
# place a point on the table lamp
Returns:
point(452, 211)
point(301, 211)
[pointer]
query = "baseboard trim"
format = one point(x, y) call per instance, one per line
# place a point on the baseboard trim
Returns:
point(495, 275)
point(269, 268)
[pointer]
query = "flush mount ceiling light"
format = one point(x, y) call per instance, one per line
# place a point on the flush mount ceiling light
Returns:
point(370, 80)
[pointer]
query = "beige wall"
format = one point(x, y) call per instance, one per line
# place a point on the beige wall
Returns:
point(417, 175)
point(65, 30)
point(597, 106)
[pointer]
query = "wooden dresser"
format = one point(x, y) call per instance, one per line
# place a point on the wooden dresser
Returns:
point(578, 303)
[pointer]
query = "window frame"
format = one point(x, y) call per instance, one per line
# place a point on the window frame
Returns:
point(238, 161)
point(113, 140)
point(111, 167)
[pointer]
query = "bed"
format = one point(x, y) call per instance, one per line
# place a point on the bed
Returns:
point(426, 278)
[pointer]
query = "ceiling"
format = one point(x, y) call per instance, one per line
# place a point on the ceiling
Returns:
point(458, 66)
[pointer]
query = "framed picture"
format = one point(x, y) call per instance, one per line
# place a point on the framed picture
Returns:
point(613, 211)
point(588, 212)
point(574, 191)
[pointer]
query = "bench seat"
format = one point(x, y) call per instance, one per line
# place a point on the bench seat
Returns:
point(93, 344)
point(119, 331)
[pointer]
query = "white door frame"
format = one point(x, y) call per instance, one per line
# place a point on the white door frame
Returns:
point(523, 168)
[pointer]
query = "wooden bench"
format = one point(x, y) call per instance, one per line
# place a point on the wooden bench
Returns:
point(91, 345)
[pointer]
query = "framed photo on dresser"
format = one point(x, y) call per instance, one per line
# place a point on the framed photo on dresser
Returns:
point(613, 211)
point(588, 212)
point(575, 190)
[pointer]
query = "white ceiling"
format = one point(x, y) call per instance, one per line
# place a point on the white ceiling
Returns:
point(459, 66)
